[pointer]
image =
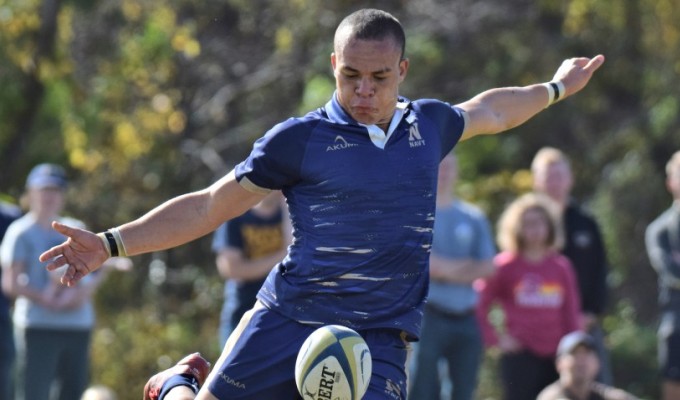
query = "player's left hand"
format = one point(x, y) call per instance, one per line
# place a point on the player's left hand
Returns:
point(575, 73)
point(83, 252)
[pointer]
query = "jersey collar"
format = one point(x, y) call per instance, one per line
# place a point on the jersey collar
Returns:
point(379, 138)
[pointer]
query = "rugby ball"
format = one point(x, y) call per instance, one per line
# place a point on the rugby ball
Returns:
point(333, 363)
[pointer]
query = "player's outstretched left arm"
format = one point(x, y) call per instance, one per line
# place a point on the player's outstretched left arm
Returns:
point(500, 109)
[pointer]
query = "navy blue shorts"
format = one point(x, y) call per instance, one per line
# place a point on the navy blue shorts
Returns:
point(258, 361)
point(669, 347)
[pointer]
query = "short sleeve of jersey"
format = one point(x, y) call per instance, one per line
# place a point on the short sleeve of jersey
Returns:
point(449, 119)
point(275, 159)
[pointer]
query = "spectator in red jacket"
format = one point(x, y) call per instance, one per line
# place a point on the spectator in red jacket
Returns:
point(536, 289)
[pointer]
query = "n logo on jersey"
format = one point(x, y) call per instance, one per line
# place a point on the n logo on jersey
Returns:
point(414, 138)
point(339, 144)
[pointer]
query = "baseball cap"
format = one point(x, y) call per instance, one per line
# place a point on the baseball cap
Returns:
point(46, 175)
point(572, 340)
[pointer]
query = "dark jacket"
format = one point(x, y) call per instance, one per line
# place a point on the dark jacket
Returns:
point(585, 249)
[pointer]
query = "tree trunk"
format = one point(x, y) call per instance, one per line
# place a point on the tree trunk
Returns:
point(32, 92)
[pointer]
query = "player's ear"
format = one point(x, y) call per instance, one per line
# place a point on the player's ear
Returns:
point(333, 60)
point(403, 69)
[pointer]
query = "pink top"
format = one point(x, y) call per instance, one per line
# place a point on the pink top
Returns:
point(540, 301)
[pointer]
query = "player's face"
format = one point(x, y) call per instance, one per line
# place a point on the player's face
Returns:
point(367, 75)
point(554, 180)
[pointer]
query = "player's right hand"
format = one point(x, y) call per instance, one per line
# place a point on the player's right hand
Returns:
point(83, 252)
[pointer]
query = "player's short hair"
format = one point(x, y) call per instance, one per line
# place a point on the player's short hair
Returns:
point(673, 163)
point(510, 222)
point(371, 24)
point(547, 156)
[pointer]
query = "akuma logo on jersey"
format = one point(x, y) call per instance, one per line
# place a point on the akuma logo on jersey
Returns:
point(414, 138)
point(340, 144)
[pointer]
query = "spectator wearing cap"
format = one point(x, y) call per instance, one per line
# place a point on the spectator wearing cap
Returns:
point(52, 323)
point(578, 364)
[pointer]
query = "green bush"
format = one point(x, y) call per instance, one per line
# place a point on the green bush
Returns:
point(633, 352)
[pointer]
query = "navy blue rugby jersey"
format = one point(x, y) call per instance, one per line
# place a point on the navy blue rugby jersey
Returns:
point(362, 215)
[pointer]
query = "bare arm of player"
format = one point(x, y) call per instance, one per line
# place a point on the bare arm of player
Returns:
point(500, 109)
point(175, 222)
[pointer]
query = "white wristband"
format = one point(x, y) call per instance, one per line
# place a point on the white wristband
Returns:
point(551, 94)
point(555, 90)
point(122, 251)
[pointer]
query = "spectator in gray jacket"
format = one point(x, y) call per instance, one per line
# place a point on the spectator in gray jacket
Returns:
point(663, 247)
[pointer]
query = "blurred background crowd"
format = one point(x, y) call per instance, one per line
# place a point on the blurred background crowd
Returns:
point(142, 100)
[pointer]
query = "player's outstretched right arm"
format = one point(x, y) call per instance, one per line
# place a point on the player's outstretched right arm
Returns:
point(175, 222)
